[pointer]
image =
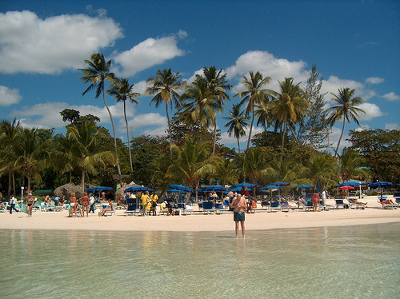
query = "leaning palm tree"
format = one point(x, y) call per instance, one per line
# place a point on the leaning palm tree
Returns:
point(237, 123)
point(121, 90)
point(217, 86)
point(164, 86)
point(345, 109)
point(289, 106)
point(254, 94)
point(96, 74)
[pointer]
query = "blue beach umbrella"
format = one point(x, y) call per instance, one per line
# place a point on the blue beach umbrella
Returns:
point(381, 185)
point(100, 188)
point(243, 185)
point(137, 189)
point(180, 187)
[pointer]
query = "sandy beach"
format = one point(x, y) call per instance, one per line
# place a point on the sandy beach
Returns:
point(260, 220)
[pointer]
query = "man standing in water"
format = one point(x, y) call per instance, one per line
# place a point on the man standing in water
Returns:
point(239, 205)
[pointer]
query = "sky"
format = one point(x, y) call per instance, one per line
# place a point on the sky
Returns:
point(354, 44)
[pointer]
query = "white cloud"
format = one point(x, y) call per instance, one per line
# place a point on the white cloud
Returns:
point(374, 80)
point(391, 96)
point(392, 126)
point(148, 119)
point(9, 96)
point(371, 111)
point(147, 54)
point(269, 66)
point(333, 84)
point(29, 44)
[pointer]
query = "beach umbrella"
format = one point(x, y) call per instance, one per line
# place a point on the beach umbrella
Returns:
point(137, 189)
point(303, 187)
point(346, 188)
point(380, 185)
point(180, 187)
point(100, 188)
point(213, 188)
point(280, 184)
point(271, 188)
point(243, 185)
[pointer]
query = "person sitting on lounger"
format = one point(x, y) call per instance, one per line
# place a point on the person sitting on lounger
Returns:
point(355, 201)
point(386, 201)
point(109, 208)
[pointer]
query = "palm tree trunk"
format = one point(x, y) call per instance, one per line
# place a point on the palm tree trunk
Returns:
point(251, 129)
point(83, 180)
point(129, 141)
point(238, 145)
point(9, 184)
point(115, 138)
point(340, 138)
point(169, 131)
point(283, 138)
point(215, 136)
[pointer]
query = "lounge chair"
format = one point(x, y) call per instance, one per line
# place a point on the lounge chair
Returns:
point(307, 205)
point(208, 207)
point(285, 206)
point(386, 204)
point(354, 204)
point(340, 203)
point(131, 209)
point(396, 197)
point(275, 206)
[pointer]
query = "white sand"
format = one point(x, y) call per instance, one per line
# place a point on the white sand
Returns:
point(261, 220)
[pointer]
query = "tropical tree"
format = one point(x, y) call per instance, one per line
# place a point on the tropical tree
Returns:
point(217, 86)
point(97, 72)
point(351, 165)
point(8, 134)
point(289, 106)
point(165, 87)
point(121, 90)
point(192, 162)
point(90, 148)
point(345, 108)
point(254, 94)
point(237, 123)
point(322, 168)
point(197, 106)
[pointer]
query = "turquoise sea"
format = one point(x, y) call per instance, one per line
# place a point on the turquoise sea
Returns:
point(328, 262)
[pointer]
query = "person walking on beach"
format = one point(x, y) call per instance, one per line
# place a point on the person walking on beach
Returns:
point(239, 206)
point(72, 204)
point(324, 197)
point(12, 204)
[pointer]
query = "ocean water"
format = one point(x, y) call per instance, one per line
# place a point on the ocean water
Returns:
point(328, 262)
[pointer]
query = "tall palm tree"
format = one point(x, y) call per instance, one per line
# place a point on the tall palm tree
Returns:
point(289, 106)
point(8, 133)
point(121, 90)
point(237, 123)
point(197, 105)
point(165, 86)
point(253, 95)
point(217, 86)
point(97, 72)
point(89, 147)
point(345, 109)
point(351, 163)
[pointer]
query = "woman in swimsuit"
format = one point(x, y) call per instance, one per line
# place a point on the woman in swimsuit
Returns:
point(72, 203)
point(85, 204)
point(29, 202)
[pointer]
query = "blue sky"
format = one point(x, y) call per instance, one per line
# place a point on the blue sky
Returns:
point(354, 44)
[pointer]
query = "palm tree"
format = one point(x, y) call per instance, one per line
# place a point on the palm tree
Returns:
point(192, 162)
point(165, 86)
point(197, 105)
point(289, 106)
point(350, 163)
point(89, 147)
point(8, 133)
point(345, 109)
point(217, 86)
point(253, 95)
point(121, 90)
point(96, 74)
point(237, 123)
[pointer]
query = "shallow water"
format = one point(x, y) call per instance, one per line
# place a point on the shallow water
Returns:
point(334, 262)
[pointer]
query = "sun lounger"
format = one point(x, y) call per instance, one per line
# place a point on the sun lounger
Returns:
point(285, 206)
point(275, 206)
point(387, 205)
point(353, 204)
point(340, 203)
point(208, 207)
point(307, 205)
point(132, 209)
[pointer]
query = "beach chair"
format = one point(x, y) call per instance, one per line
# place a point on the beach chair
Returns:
point(276, 206)
point(396, 197)
point(286, 207)
point(386, 205)
point(307, 205)
point(340, 203)
point(353, 204)
point(208, 207)
point(131, 209)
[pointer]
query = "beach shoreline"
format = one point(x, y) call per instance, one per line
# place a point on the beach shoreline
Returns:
point(260, 220)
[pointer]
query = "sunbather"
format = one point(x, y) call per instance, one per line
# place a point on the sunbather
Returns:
point(72, 204)
point(85, 204)
point(355, 201)
point(109, 208)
